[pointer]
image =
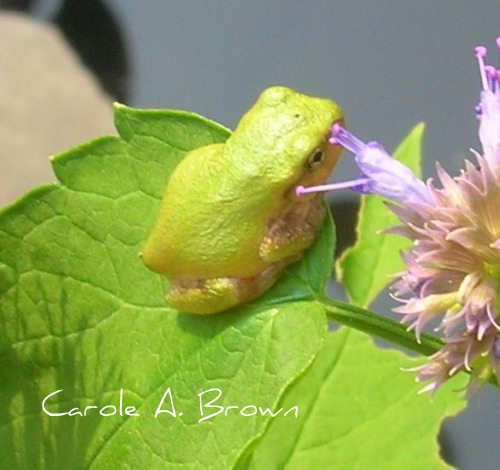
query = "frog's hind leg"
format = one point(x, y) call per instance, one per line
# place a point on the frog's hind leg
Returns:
point(204, 297)
point(219, 294)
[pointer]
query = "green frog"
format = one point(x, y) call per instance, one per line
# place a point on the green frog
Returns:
point(230, 220)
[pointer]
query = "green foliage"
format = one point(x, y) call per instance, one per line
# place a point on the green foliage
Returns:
point(365, 268)
point(359, 411)
point(81, 314)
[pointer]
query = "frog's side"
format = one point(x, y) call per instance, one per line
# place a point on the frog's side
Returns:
point(230, 221)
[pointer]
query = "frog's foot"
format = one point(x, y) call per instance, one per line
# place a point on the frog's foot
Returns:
point(292, 232)
point(204, 297)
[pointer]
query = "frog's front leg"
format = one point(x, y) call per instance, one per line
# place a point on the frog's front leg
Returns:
point(214, 295)
point(292, 231)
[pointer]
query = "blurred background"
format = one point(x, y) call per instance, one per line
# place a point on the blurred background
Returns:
point(389, 64)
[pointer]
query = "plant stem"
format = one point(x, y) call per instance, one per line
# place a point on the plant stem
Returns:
point(377, 325)
point(380, 326)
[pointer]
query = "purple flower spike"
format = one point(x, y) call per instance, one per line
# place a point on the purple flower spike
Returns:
point(489, 108)
point(388, 177)
point(381, 174)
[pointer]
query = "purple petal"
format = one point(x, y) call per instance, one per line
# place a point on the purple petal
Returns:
point(389, 178)
point(489, 115)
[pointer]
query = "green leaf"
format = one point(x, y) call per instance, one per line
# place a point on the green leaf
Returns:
point(80, 313)
point(365, 268)
point(356, 412)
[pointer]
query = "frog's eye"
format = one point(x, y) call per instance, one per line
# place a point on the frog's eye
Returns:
point(316, 159)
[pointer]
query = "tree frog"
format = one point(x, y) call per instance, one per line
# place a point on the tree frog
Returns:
point(230, 221)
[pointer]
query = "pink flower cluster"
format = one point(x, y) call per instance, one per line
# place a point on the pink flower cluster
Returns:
point(453, 267)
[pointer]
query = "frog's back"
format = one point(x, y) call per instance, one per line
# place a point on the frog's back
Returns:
point(212, 218)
